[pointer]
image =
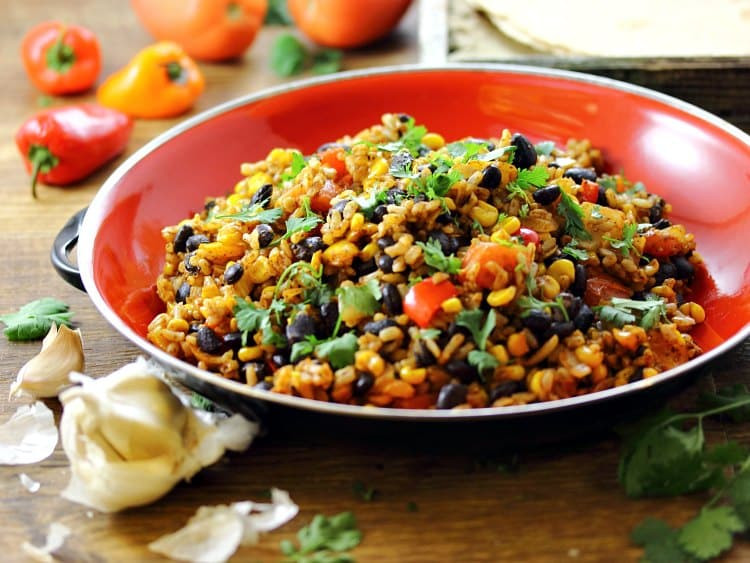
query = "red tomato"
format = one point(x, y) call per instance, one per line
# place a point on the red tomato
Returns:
point(321, 201)
point(589, 191)
point(490, 255)
point(528, 235)
point(346, 24)
point(423, 300)
point(666, 242)
point(601, 288)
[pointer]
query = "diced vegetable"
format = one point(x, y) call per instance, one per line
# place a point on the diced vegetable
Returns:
point(423, 300)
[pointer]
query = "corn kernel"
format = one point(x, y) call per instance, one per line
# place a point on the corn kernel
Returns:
point(484, 213)
point(178, 325)
point(501, 296)
point(511, 225)
point(249, 353)
point(368, 252)
point(169, 269)
point(340, 253)
point(209, 291)
point(517, 344)
point(362, 359)
point(280, 157)
point(357, 222)
point(260, 272)
point(240, 186)
point(256, 181)
point(235, 200)
point(433, 141)
point(376, 365)
point(378, 168)
point(500, 353)
point(693, 310)
point(414, 376)
point(535, 382)
point(550, 287)
point(452, 305)
point(649, 372)
point(563, 271)
point(628, 339)
point(513, 372)
point(500, 235)
point(591, 355)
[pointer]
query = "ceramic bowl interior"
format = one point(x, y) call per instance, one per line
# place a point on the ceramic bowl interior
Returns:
point(697, 162)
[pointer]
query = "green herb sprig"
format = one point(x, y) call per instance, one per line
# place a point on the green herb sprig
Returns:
point(527, 180)
point(436, 259)
point(324, 539)
point(34, 319)
point(572, 212)
point(620, 312)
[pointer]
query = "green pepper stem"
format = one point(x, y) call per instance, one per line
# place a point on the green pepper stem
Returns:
point(60, 56)
point(42, 160)
point(175, 72)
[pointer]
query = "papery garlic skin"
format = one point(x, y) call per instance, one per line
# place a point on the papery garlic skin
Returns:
point(47, 373)
point(130, 439)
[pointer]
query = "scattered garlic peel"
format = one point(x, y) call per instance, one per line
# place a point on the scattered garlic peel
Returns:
point(130, 439)
point(56, 537)
point(29, 436)
point(47, 373)
point(28, 483)
point(215, 532)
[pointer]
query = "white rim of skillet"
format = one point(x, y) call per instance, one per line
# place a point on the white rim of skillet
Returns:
point(95, 215)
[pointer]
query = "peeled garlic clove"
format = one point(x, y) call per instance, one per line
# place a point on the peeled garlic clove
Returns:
point(47, 373)
point(130, 439)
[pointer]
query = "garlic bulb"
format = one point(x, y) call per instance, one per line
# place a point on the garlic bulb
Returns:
point(130, 439)
point(46, 374)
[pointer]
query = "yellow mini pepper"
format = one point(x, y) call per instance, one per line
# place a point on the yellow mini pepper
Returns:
point(160, 81)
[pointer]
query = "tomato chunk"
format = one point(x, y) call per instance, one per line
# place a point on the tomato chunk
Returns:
point(423, 300)
point(334, 158)
point(487, 257)
point(321, 201)
point(528, 235)
point(666, 242)
point(601, 288)
point(589, 191)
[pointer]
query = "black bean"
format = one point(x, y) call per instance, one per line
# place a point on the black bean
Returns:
point(233, 273)
point(392, 302)
point(451, 395)
point(504, 389)
point(601, 198)
point(183, 293)
point(363, 384)
point(461, 370)
point(655, 213)
point(262, 195)
point(547, 194)
point(374, 327)
point(364, 268)
point(305, 249)
point(378, 213)
point(329, 314)
point(404, 117)
point(263, 385)
point(666, 271)
point(683, 268)
point(448, 244)
point(325, 146)
point(571, 302)
point(209, 341)
point(402, 160)
point(183, 233)
point(525, 154)
point(578, 287)
point(490, 177)
point(537, 321)
point(662, 224)
point(209, 205)
point(233, 340)
point(385, 242)
point(584, 319)
point(385, 263)
point(562, 329)
point(194, 241)
point(302, 326)
point(578, 174)
point(189, 266)
point(444, 218)
point(394, 196)
point(265, 235)
point(423, 355)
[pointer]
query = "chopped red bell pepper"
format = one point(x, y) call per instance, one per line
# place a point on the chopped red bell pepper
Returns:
point(589, 191)
point(423, 300)
point(63, 145)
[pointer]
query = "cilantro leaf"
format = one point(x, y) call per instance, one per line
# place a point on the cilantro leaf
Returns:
point(400, 166)
point(255, 212)
point(437, 184)
point(569, 210)
point(34, 319)
point(727, 396)
point(362, 298)
point(466, 149)
point(278, 13)
point(298, 163)
point(497, 153)
point(302, 224)
point(303, 348)
point(337, 533)
point(626, 244)
point(483, 361)
point(434, 257)
point(429, 333)
point(659, 542)
point(710, 533)
point(544, 148)
point(527, 179)
point(327, 61)
point(411, 140)
point(287, 55)
point(472, 320)
point(338, 351)
point(528, 303)
point(572, 249)
point(622, 311)
point(251, 319)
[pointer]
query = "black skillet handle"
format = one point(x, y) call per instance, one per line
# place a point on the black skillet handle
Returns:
point(65, 241)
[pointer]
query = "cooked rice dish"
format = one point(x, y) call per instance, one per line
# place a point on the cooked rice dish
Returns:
point(394, 269)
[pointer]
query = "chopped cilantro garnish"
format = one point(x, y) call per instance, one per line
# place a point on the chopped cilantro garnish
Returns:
point(569, 210)
point(572, 249)
point(526, 180)
point(465, 149)
point(529, 303)
point(339, 351)
point(361, 298)
point(368, 203)
point(480, 331)
point(435, 185)
point(298, 163)
point(434, 257)
point(483, 361)
point(524, 210)
point(429, 333)
point(411, 140)
point(255, 213)
point(302, 224)
point(497, 153)
point(626, 244)
point(622, 311)
point(323, 536)
point(251, 318)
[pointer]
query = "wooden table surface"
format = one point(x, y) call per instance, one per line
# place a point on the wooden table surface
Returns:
point(562, 502)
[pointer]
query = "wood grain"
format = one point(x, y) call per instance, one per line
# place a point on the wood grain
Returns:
point(562, 501)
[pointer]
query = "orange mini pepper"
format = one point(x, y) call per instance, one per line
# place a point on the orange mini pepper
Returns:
point(160, 81)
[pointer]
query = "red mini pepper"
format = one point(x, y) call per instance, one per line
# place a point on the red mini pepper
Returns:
point(61, 59)
point(63, 145)
point(423, 300)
